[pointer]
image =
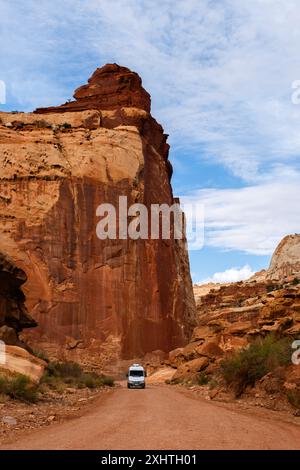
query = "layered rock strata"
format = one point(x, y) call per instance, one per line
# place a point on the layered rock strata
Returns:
point(101, 298)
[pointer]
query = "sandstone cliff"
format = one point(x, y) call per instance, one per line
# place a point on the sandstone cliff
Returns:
point(91, 297)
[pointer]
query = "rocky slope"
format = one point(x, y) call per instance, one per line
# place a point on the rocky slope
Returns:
point(231, 316)
point(92, 298)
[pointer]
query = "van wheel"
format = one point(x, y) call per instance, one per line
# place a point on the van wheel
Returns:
point(128, 386)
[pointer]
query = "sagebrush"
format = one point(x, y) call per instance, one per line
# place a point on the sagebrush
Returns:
point(19, 387)
point(245, 367)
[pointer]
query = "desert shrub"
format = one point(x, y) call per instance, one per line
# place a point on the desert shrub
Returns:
point(58, 374)
point(93, 380)
point(3, 385)
point(202, 379)
point(213, 384)
point(3, 398)
point(107, 380)
point(41, 355)
point(89, 381)
point(64, 369)
point(293, 397)
point(19, 387)
point(65, 125)
point(295, 281)
point(245, 367)
point(270, 288)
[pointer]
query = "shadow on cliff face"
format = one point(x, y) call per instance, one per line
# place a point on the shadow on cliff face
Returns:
point(14, 316)
point(170, 322)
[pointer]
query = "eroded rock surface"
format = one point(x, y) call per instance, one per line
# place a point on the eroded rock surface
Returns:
point(230, 316)
point(286, 259)
point(110, 87)
point(20, 361)
point(93, 298)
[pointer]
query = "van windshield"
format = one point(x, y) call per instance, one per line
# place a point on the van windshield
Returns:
point(136, 373)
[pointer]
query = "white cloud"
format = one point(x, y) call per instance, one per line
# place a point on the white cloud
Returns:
point(251, 219)
point(230, 275)
point(220, 73)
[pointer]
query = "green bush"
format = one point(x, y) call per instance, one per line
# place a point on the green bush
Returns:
point(91, 380)
point(108, 381)
point(245, 367)
point(64, 369)
point(41, 355)
point(294, 397)
point(295, 281)
point(202, 379)
point(19, 387)
point(3, 385)
point(70, 373)
point(57, 376)
point(213, 384)
point(65, 125)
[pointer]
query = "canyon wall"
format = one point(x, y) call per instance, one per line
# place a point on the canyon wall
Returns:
point(119, 298)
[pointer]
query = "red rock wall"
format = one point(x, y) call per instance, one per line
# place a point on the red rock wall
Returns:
point(127, 296)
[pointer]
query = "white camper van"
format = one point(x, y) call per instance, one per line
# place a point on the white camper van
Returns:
point(136, 376)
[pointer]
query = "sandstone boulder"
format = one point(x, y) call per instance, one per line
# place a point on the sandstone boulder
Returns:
point(18, 360)
point(210, 349)
point(239, 328)
point(190, 351)
point(201, 333)
point(189, 370)
point(176, 357)
point(233, 343)
point(294, 330)
point(160, 376)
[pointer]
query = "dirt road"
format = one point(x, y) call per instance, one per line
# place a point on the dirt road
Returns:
point(162, 417)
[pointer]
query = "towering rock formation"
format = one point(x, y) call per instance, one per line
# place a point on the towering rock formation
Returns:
point(286, 259)
point(110, 87)
point(122, 298)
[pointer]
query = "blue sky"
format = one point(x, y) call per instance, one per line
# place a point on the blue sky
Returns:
point(220, 74)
